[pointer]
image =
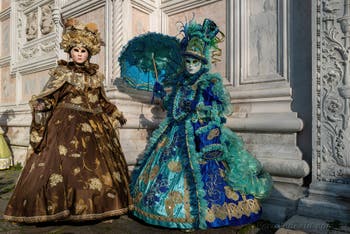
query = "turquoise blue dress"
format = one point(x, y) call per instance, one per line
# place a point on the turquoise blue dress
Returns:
point(195, 173)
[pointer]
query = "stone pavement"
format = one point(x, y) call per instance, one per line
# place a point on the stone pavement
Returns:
point(129, 225)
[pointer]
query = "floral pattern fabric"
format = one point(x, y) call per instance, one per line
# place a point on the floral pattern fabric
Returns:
point(195, 173)
point(76, 169)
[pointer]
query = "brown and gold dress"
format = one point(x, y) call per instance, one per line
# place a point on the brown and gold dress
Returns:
point(76, 169)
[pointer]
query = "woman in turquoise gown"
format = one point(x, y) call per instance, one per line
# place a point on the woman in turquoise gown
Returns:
point(195, 172)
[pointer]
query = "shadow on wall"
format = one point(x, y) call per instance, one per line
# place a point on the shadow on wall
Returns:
point(4, 119)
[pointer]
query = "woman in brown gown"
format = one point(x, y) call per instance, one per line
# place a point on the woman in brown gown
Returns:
point(76, 169)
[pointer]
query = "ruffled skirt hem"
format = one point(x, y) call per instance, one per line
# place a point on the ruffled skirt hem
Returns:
point(66, 216)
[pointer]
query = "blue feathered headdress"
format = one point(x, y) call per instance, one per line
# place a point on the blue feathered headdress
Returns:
point(201, 40)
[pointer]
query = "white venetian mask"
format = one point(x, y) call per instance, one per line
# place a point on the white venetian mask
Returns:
point(193, 65)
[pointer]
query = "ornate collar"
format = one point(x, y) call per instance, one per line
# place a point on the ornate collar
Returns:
point(89, 68)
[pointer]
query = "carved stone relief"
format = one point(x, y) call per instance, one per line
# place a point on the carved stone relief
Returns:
point(46, 24)
point(35, 37)
point(30, 52)
point(333, 156)
point(32, 26)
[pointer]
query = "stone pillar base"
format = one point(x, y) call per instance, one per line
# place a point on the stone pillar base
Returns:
point(301, 224)
point(327, 201)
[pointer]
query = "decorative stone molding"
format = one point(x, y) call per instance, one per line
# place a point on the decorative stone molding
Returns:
point(75, 8)
point(31, 25)
point(118, 36)
point(329, 192)
point(5, 61)
point(25, 3)
point(171, 7)
point(5, 14)
point(332, 90)
point(46, 24)
point(33, 48)
point(143, 5)
point(266, 123)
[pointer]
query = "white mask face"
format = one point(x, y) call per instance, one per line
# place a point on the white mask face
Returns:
point(193, 65)
point(79, 54)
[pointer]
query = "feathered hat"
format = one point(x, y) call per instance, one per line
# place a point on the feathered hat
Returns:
point(77, 34)
point(201, 40)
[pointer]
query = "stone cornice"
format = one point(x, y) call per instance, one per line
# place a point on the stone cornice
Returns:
point(81, 7)
point(261, 93)
point(145, 6)
point(34, 6)
point(5, 14)
point(5, 61)
point(272, 123)
point(37, 65)
point(176, 6)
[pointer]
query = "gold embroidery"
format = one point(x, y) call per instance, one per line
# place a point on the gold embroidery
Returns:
point(41, 164)
point(55, 179)
point(174, 198)
point(97, 162)
point(165, 218)
point(79, 108)
point(80, 207)
point(210, 217)
point(76, 100)
point(111, 195)
point(138, 197)
point(34, 137)
point(93, 124)
point(116, 176)
point(100, 128)
point(52, 204)
point(75, 142)
point(63, 150)
point(107, 179)
point(153, 172)
point(83, 143)
point(231, 194)
point(76, 171)
point(174, 166)
point(95, 183)
point(222, 173)
point(230, 210)
point(85, 127)
point(162, 143)
point(92, 98)
point(213, 133)
point(144, 176)
point(75, 155)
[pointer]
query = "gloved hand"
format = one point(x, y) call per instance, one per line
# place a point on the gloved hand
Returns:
point(122, 120)
point(39, 105)
point(189, 105)
point(158, 90)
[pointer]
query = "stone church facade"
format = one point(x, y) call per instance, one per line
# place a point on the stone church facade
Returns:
point(285, 63)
